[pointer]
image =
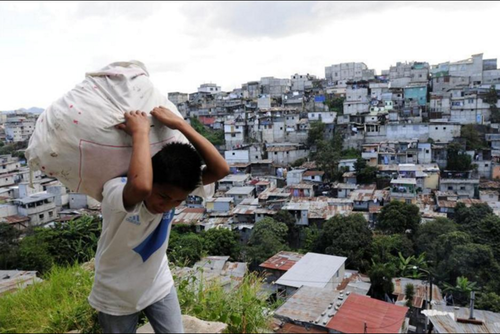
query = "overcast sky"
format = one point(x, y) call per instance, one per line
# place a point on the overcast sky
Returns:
point(46, 48)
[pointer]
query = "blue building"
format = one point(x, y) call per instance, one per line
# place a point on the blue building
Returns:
point(416, 94)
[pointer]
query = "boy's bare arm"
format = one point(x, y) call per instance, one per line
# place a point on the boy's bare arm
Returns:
point(140, 173)
point(217, 167)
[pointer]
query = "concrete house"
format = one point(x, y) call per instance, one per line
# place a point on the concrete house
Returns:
point(241, 193)
point(313, 270)
point(40, 208)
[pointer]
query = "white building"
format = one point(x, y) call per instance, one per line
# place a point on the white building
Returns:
point(348, 71)
point(19, 128)
point(327, 117)
point(40, 208)
point(241, 193)
point(209, 88)
point(314, 270)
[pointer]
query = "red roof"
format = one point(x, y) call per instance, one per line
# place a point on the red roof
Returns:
point(207, 120)
point(379, 316)
point(282, 261)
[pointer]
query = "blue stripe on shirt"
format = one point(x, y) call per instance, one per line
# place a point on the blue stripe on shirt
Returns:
point(156, 239)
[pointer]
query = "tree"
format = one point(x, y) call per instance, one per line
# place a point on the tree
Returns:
point(311, 238)
point(316, 133)
point(381, 275)
point(347, 236)
point(428, 233)
point(221, 242)
point(458, 159)
point(364, 174)
point(267, 238)
point(336, 104)
point(489, 302)
point(409, 294)
point(327, 159)
point(399, 217)
point(488, 233)
point(186, 249)
point(386, 248)
point(462, 289)
point(9, 244)
point(492, 98)
point(472, 137)
point(468, 218)
point(34, 255)
point(293, 235)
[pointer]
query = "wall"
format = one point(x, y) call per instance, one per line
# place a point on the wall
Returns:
point(236, 156)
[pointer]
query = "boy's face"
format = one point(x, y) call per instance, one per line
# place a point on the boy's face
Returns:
point(165, 197)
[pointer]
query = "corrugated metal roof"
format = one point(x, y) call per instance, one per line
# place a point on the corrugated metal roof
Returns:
point(282, 261)
point(309, 304)
point(240, 191)
point(421, 291)
point(314, 270)
point(14, 219)
point(446, 321)
point(12, 280)
point(379, 316)
point(189, 216)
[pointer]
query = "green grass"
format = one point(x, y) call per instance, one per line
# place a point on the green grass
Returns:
point(241, 308)
point(57, 305)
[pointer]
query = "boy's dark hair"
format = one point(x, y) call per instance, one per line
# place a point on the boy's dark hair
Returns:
point(179, 165)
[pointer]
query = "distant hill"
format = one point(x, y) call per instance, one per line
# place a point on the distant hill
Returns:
point(32, 110)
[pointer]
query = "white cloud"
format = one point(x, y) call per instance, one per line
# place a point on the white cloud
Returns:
point(48, 46)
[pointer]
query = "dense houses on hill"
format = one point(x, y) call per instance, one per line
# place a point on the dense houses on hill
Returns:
point(408, 123)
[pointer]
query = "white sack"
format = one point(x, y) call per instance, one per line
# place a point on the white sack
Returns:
point(75, 139)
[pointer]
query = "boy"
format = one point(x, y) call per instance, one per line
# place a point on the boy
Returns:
point(131, 268)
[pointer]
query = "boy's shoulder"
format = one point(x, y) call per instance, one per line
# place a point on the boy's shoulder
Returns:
point(112, 194)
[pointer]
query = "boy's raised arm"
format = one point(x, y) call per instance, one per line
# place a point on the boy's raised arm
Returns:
point(140, 173)
point(217, 167)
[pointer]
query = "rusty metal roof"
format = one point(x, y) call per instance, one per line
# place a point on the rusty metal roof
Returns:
point(16, 219)
point(445, 321)
point(379, 316)
point(189, 216)
point(282, 261)
point(421, 291)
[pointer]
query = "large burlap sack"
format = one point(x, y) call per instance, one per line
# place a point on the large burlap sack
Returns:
point(75, 139)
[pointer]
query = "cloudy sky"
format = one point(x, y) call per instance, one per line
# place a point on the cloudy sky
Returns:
point(46, 48)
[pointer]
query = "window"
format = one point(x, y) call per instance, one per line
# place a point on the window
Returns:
point(281, 128)
point(234, 153)
point(436, 128)
point(275, 153)
point(233, 135)
point(51, 214)
point(41, 216)
point(444, 128)
point(486, 165)
point(462, 188)
point(256, 157)
point(450, 188)
point(408, 201)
